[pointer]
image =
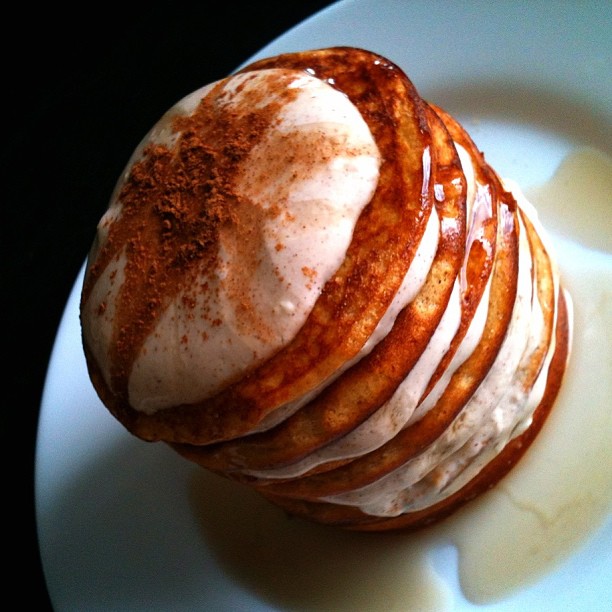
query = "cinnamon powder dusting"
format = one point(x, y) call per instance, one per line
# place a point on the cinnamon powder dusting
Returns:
point(175, 202)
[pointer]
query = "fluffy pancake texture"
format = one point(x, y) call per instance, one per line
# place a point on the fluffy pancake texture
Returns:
point(310, 281)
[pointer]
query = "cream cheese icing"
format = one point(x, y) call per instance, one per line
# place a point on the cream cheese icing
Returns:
point(298, 248)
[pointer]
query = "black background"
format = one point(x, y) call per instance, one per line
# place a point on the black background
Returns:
point(81, 88)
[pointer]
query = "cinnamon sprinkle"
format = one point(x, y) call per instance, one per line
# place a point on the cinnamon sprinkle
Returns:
point(175, 202)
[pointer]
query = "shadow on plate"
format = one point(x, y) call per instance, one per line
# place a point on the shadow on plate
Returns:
point(296, 565)
point(140, 528)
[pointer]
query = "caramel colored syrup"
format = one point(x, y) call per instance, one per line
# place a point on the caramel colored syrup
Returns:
point(561, 491)
point(532, 522)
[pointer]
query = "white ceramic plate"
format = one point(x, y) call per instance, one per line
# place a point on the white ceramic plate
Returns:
point(125, 525)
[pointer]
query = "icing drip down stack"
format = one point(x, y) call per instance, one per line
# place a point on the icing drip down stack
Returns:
point(310, 281)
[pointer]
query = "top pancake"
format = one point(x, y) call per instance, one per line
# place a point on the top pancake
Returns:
point(350, 306)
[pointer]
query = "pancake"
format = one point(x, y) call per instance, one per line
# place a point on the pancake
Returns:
point(310, 281)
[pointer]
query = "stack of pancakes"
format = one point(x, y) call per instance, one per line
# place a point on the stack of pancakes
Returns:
point(377, 415)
